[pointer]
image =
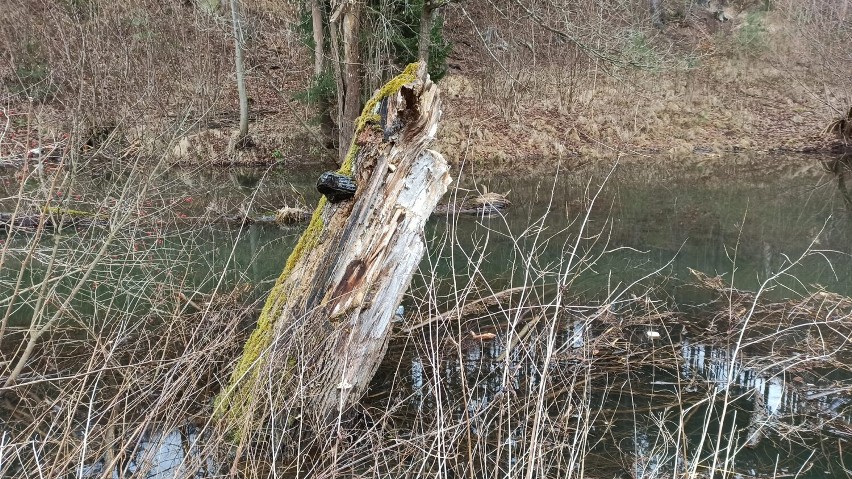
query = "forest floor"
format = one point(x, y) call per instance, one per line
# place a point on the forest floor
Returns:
point(747, 84)
point(704, 87)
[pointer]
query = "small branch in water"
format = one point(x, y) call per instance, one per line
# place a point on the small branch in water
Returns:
point(467, 308)
point(188, 301)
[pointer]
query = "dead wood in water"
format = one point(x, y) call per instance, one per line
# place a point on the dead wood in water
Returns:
point(325, 325)
point(57, 218)
point(487, 203)
point(468, 308)
point(54, 219)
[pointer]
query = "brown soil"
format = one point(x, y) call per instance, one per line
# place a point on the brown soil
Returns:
point(707, 93)
point(765, 96)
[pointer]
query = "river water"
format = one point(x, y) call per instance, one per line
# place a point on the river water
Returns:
point(623, 238)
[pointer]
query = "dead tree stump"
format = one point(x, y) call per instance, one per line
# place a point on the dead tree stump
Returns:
point(325, 326)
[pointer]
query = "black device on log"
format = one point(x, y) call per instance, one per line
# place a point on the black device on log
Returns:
point(336, 187)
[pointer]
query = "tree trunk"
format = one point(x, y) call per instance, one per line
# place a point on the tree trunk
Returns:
point(241, 71)
point(325, 325)
point(657, 18)
point(425, 36)
point(319, 37)
point(351, 71)
point(334, 39)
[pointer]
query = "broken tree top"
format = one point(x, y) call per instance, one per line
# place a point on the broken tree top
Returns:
point(325, 325)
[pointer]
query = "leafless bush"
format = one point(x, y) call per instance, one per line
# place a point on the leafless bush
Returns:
point(112, 334)
point(109, 77)
point(823, 32)
point(481, 381)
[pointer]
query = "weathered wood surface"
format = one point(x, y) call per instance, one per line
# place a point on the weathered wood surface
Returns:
point(326, 323)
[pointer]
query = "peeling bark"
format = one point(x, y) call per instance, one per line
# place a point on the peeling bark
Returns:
point(326, 323)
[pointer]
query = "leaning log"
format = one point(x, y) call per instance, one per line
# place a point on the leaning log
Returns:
point(51, 219)
point(325, 325)
point(54, 219)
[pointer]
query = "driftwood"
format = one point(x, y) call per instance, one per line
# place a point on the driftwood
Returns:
point(326, 323)
point(282, 217)
point(51, 220)
point(483, 205)
point(468, 308)
point(61, 218)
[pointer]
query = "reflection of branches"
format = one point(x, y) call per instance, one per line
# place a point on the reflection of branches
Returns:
point(563, 387)
point(844, 190)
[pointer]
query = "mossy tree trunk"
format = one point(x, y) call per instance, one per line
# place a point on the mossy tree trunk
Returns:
point(325, 326)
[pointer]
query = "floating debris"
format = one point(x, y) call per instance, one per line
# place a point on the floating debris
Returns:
point(487, 203)
point(482, 336)
point(289, 215)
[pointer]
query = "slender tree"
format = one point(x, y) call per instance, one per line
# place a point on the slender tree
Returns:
point(345, 22)
point(241, 73)
point(657, 13)
point(319, 37)
point(427, 17)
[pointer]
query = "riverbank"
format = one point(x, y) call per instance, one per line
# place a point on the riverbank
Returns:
point(699, 85)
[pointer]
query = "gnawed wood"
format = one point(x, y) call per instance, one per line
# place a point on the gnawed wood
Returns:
point(326, 323)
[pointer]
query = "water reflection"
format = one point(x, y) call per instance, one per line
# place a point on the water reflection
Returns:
point(160, 455)
point(593, 397)
point(642, 427)
point(841, 168)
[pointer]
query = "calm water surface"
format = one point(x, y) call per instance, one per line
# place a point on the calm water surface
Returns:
point(741, 218)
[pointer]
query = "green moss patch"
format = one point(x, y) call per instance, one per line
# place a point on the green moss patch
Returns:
point(244, 376)
point(368, 115)
point(232, 402)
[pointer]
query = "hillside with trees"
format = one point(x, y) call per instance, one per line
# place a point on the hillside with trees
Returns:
point(526, 82)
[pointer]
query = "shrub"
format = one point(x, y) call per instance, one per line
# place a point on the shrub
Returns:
point(751, 37)
point(32, 75)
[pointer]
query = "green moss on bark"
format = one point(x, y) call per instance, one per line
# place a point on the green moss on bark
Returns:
point(369, 115)
point(243, 378)
point(233, 401)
